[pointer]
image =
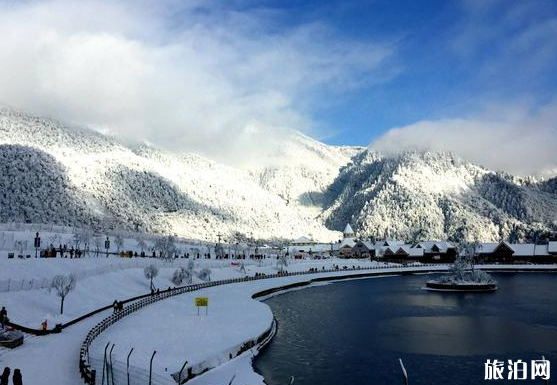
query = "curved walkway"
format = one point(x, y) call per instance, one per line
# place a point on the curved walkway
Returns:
point(265, 285)
point(212, 341)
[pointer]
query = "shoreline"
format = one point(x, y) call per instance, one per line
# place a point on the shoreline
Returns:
point(263, 296)
point(250, 293)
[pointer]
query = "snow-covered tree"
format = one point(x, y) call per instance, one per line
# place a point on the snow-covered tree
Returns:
point(98, 243)
point(63, 285)
point(119, 241)
point(166, 247)
point(150, 273)
point(141, 243)
point(20, 246)
point(180, 275)
point(282, 262)
point(204, 274)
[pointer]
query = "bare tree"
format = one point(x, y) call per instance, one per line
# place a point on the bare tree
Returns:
point(151, 272)
point(119, 241)
point(86, 236)
point(55, 239)
point(63, 284)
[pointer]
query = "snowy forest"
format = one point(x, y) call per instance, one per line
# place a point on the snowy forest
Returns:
point(69, 176)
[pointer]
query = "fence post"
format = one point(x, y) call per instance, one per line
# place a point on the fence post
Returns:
point(128, 365)
point(404, 373)
point(104, 362)
point(151, 367)
point(111, 368)
point(180, 374)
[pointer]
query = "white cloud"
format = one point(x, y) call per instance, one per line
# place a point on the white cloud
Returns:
point(196, 76)
point(513, 138)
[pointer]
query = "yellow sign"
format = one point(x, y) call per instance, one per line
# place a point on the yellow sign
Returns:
point(202, 301)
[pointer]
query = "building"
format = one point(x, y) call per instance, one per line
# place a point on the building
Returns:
point(363, 249)
point(386, 247)
point(437, 251)
point(504, 252)
point(345, 247)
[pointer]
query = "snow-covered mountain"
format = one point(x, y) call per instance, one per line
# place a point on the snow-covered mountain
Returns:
point(110, 184)
point(57, 174)
point(423, 195)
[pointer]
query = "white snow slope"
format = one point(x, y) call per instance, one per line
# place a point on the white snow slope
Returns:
point(55, 174)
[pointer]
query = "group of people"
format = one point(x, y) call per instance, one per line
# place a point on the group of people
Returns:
point(117, 306)
point(16, 378)
point(64, 251)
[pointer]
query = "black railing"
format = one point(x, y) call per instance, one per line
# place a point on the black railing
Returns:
point(89, 375)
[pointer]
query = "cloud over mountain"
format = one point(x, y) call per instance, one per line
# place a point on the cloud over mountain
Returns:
point(200, 76)
point(515, 139)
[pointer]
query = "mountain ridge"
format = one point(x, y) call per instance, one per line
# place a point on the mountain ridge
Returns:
point(302, 188)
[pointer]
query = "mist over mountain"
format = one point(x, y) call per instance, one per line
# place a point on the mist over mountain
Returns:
point(301, 187)
point(436, 195)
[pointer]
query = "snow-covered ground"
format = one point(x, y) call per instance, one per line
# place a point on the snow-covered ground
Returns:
point(103, 280)
point(171, 327)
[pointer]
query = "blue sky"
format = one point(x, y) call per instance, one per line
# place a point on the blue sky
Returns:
point(452, 57)
point(218, 77)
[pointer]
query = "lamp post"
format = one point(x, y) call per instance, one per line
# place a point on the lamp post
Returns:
point(37, 243)
point(107, 245)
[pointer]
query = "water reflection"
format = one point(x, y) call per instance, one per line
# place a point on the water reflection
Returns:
point(353, 332)
point(451, 336)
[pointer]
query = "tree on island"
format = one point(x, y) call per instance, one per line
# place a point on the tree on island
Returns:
point(463, 272)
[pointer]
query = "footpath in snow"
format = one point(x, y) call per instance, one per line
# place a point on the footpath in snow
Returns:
point(173, 329)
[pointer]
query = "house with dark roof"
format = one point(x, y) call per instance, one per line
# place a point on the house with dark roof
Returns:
point(437, 251)
point(363, 249)
point(505, 252)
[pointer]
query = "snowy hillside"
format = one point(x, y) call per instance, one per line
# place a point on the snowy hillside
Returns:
point(438, 196)
point(108, 184)
point(70, 176)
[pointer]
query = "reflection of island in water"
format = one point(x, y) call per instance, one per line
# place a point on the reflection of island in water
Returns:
point(463, 276)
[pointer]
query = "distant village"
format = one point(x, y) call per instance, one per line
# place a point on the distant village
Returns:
point(425, 252)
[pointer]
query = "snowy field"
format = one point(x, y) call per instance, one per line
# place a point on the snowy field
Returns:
point(102, 280)
point(30, 307)
point(171, 327)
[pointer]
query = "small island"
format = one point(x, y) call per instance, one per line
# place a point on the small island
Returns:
point(463, 277)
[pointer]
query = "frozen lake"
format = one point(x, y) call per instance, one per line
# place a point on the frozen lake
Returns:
point(354, 332)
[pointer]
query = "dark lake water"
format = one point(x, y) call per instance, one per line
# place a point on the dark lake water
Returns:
point(353, 332)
